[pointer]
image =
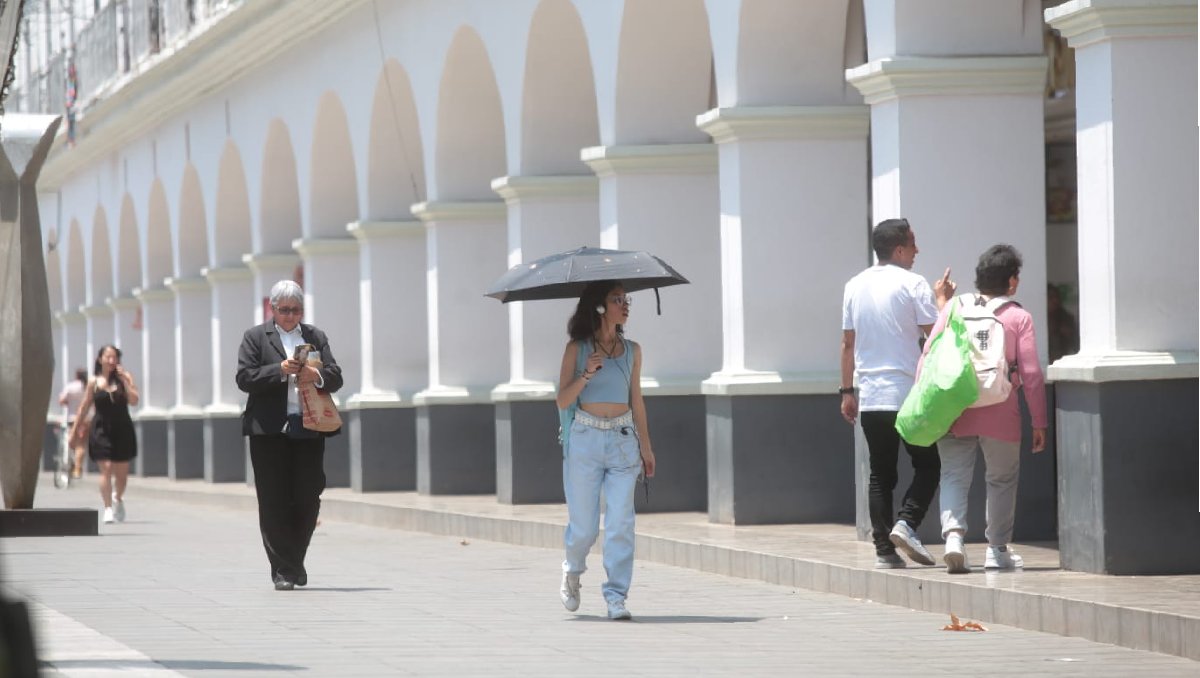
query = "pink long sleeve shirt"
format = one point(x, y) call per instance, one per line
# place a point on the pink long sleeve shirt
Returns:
point(1002, 421)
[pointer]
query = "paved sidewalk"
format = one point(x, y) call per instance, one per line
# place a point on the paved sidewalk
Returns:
point(182, 589)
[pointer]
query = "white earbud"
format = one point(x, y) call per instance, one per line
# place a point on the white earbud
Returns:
point(600, 310)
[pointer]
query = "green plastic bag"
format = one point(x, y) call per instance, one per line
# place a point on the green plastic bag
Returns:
point(945, 387)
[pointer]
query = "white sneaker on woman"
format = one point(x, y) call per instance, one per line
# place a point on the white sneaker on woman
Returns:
point(108, 514)
point(956, 555)
point(569, 591)
point(1002, 558)
point(118, 509)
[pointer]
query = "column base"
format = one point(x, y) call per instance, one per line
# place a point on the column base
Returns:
point(456, 448)
point(224, 450)
point(337, 458)
point(778, 459)
point(677, 426)
point(382, 448)
point(153, 443)
point(1127, 468)
point(528, 456)
point(185, 448)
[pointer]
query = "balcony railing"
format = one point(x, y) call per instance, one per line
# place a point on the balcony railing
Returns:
point(96, 56)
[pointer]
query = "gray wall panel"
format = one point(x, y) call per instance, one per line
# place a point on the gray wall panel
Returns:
point(185, 449)
point(383, 449)
point(528, 456)
point(152, 448)
point(456, 449)
point(224, 459)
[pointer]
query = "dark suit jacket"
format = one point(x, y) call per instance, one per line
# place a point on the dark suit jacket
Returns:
point(259, 375)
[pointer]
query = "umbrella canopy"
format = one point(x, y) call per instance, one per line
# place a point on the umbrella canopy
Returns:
point(565, 275)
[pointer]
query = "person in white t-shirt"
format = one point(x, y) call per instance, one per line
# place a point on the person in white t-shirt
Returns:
point(71, 397)
point(886, 311)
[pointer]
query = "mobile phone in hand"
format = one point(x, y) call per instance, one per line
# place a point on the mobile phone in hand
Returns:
point(301, 353)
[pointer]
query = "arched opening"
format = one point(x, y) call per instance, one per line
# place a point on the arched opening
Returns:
point(279, 222)
point(76, 268)
point(102, 261)
point(129, 249)
point(193, 233)
point(159, 265)
point(470, 137)
point(395, 171)
point(231, 228)
point(333, 188)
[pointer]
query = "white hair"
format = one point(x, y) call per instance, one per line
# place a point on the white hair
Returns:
point(286, 290)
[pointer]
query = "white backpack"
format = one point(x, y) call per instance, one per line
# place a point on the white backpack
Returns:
point(988, 354)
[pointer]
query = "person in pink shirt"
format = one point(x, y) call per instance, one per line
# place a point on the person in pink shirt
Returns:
point(996, 429)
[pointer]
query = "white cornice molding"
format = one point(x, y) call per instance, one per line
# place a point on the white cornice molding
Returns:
point(378, 400)
point(70, 317)
point(524, 391)
point(750, 382)
point(128, 303)
point(467, 210)
point(608, 161)
point(1126, 366)
point(671, 386)
point(515, 189)
point(152, 413)
point(271, 261)
point(366, 231)
point(222, 411)
point(453, 395)
point(153, 294)
point(897, 77)
point(96, 311)
point(785, 122)
point(308, 247)
point(1086, 22)
point(244, 38)
point(220, 274)
point(182, 286)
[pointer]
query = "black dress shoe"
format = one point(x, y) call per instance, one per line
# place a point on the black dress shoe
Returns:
point(284, 584)
point(302, 578)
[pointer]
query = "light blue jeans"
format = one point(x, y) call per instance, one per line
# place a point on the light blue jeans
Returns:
point(608, 461)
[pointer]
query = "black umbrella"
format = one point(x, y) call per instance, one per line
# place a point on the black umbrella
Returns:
point(565, 275)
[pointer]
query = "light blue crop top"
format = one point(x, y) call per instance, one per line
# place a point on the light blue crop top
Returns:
point(611, 383)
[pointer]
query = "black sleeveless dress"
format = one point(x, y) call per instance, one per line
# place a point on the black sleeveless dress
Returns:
point(113, 437)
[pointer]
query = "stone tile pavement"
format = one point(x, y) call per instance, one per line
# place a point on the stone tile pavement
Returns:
point(182, 589)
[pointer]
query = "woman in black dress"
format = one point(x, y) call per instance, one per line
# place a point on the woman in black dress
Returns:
point(113, 442)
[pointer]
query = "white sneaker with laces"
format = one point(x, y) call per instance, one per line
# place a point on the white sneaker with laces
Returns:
point(889, 562)
point(905, 539)
point(118, 509)
point(956, 555)
point(108, 514)
point(617, 611)
point(1002, 558)
point(569, 591)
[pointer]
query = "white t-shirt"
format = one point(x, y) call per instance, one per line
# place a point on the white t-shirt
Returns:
point(885, 306)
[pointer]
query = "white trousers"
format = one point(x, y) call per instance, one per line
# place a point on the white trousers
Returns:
point(1002, 459)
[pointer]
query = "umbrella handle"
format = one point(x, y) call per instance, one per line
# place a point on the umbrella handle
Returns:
point(657, 301)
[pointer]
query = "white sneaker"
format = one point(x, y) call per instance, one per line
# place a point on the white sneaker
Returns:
point(108, 514)
point(889, 562)
point(118, 509)
point(956, 555)
point(569, 591)
point(1002, 558)
point(906, 540)
point(617, 611)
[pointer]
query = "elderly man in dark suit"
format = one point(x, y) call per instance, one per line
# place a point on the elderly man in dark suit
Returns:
point(288, 459)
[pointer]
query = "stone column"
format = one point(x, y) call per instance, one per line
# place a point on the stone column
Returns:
point(193, 378)
point(99, 328)
point(331, 302)
point(957, 147)
point(158, 379)
point(663, 199)
point(793, 186)
point(1127, 431)
point(546, 215)
point(381, 420)
point(73, 351)
point(468, 347)
point(233, 306)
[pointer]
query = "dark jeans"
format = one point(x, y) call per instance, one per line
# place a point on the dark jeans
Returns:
point(289, 476)
point(883, 442)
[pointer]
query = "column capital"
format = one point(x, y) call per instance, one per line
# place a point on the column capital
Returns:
point(753, 382)
point(220, 274)
point(896, 77)
point(128, 303)
point(270, 261)
point(473, 210)
point(184, 285)
point(1098, 368)
point(514, 189)
point(308, 247)
point(70, 317)
point(608, 161)
point(365, 231)
point(95, 311)
point(785, 122)
point(1086, 22)
point(153, 294)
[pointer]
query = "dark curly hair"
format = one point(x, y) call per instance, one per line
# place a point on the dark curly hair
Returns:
point(995, 268)
point(585, 322)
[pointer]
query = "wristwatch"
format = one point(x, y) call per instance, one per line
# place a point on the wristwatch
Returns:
point(848, 390)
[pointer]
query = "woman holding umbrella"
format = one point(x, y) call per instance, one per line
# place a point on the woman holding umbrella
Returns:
point(607, 445)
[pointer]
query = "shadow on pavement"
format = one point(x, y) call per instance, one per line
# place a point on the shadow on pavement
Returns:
point(672, 619)
point(346, 589)
point(182, 664)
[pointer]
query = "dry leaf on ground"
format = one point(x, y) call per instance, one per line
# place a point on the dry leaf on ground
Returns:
point(957, 625)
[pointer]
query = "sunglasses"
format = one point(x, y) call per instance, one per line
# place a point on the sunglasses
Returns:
point(289, 310)
point(621, 301)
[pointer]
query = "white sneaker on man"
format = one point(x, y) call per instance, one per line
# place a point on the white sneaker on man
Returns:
point(118, 509)
point(617, 611)
point(108, 514)
point(569, 591)
point(1002, 558)
point(905, 539)
point(956, 555)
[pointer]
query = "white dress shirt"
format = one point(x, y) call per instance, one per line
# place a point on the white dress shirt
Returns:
point(290, 341)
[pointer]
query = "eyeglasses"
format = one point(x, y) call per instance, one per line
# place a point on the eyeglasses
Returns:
point(289, 310)
point(621, 301)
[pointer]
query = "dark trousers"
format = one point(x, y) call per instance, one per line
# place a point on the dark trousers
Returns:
point(289, 476)
point(883, 442)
